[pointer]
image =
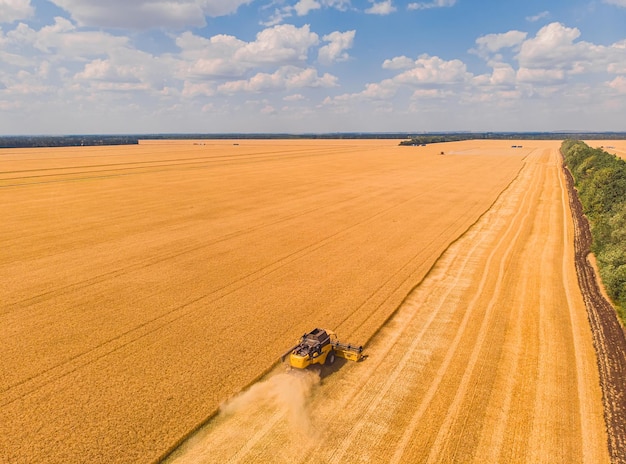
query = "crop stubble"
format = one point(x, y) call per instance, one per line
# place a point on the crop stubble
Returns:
point(615, 147)
point(144, 285)
point(489, 359)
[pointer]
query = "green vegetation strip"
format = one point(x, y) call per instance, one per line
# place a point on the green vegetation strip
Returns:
point(600, 179)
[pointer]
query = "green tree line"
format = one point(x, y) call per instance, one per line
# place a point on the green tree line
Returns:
point(600, 179)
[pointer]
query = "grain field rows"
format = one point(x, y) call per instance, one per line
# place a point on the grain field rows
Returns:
point(144, 285)
point(489, 359)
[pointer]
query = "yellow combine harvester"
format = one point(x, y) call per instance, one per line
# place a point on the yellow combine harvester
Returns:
point(320, 346)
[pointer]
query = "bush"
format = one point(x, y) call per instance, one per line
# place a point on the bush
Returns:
point(600, 179)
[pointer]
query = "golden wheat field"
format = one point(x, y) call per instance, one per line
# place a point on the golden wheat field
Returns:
point(616, 147)
point(143, 286)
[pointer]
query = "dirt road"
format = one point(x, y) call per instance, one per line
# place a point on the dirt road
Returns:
point(489, 359)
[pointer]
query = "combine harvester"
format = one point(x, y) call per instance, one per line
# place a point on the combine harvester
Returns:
point(320, 346)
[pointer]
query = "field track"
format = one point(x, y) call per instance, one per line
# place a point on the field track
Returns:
point(145, 285)
point(489, 359)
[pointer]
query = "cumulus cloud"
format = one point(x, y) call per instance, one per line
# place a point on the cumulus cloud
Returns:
point(502, 77)
point(430, 94)
point(380, 91)
point(398, 62)
point(492, 43)
point(279, 44)
point(64, 41)
point(335, 50)
point(226, 56)
point(381, 8)
point(146, 14)
point(554, 62)
point(432, 70)
point(433, 4)
point(539, 75)
point(303, 7)
point(426, 76)
point(555, 48)
point(14, 10)
point(285, 78)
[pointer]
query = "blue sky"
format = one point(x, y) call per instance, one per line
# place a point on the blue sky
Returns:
point(300, 66)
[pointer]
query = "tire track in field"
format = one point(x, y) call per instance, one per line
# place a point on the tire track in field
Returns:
point(382, 409)
point(129, 169)
point(504, 240)
point(490, 316)
point(400, 330)
point(490, 446)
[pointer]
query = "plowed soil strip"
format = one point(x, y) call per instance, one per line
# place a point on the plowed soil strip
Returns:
point(609, 339)
point(489, 359)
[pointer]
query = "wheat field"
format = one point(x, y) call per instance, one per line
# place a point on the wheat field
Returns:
point(145, 285)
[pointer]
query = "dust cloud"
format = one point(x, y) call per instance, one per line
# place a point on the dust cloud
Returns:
point(277, 405)
point(288, 393)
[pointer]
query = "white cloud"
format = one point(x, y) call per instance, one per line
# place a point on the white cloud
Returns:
point(502, 76)
point(380, 91)
point(341, 5)
point(303, 7)
point(63, 41)
point(268, 109)
point(285, 78)
point(217, 8)
point(492, 43)
point(283, 43)
point(428, 73)
point(145, 14)
point(538, 16)
point(555, 48)
point(432, 70)
point(621, 3)
point(617, 67)
point(430, 94)
point(619, 84)
point(433, 4)
point(294, 97)
point(381, 8)
point(194, 89)
point(399, 62)
point(335, 50)
point(279, 15)
point(540, 75)
point(14, 10)
point(226, 56)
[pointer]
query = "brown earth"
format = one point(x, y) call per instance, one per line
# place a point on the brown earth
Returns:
point(608, 334)
point(143, 285)
point(489, 359)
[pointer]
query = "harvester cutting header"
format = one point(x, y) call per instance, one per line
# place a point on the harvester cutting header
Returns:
point(321, 346)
